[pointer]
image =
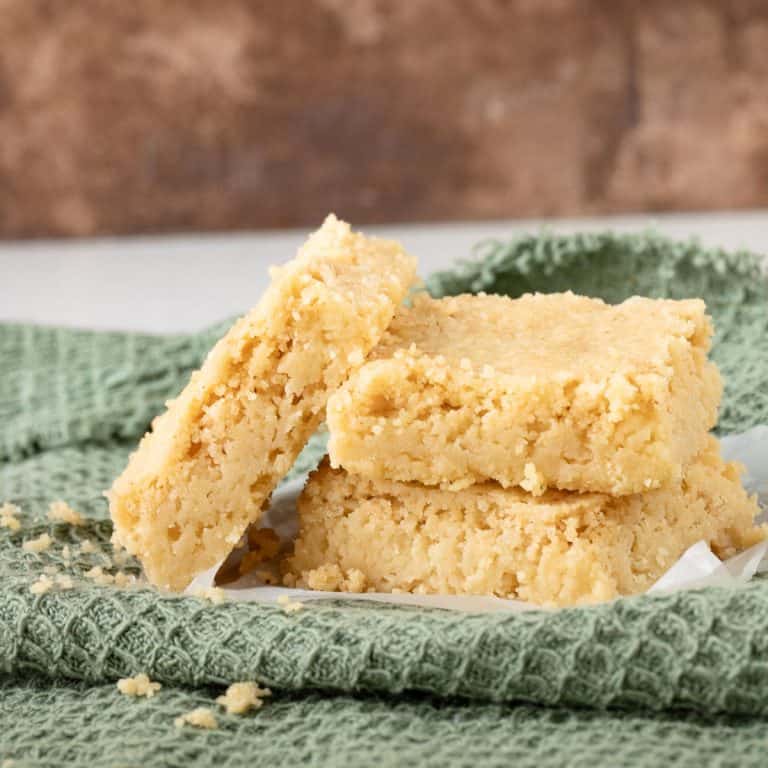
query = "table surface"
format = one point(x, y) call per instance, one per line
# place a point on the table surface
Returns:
point(186, 282)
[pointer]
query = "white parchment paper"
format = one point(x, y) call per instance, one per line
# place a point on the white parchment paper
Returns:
point(697, 567)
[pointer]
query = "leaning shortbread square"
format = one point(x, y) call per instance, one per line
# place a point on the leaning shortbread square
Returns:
point(204, 472)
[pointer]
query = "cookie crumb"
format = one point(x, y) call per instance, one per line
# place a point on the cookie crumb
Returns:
point(215, 595)
point(202, 717)
point(124, 580)
point(289, 605)
point(8, 519)
point(66, 552)
point(140, 685)
point(40, 544)
point(87, 547)
point(63, 581)
point(60, 512)
point(242, 697)
point(42, 585)
point(98, 575)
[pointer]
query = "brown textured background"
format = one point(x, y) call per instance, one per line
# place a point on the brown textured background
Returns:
point(164, 115)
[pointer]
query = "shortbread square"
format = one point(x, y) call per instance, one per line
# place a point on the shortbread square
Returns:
point(203, 473)
point(545, 391)
point(561, 548)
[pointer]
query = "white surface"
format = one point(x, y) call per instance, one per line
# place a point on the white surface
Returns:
point(184, 283)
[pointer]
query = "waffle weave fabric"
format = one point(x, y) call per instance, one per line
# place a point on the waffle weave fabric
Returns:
point(640, 681)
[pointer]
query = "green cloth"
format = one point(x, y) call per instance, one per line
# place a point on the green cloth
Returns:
point(642, 681)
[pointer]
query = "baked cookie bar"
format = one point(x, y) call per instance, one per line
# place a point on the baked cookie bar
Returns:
point(544, 391)
point(212, 459)
point(561, 548)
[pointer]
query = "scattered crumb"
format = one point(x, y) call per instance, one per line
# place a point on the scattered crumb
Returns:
point(87, 547)
point(64, 581)
point(12, 523)
point(289, 605)
point(123, 580)
point(40, 544)
point(8, 519)
point(215, 595)
point(61, 512)
point(242, 697)
point(66, 553)
point(42, 585)
point(97, 574)
point(50, 570)
point(140, 685)
point(202, 717)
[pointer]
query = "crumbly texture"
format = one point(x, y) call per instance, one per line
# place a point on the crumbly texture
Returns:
point(544, 391)
point(204, 472)
point(61, 512)
point(138, 686)
point(201, 717)
point(331, 578)
point(243, 697)
point(40, 544)
point(561, 548)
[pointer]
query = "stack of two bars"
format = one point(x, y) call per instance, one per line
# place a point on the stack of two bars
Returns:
point(551, 448)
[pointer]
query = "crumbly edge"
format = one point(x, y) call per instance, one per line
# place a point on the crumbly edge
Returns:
point(412, 417)
point(560, 549)
point(203, 473)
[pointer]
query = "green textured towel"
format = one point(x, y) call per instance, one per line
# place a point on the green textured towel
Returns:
point(640, 681)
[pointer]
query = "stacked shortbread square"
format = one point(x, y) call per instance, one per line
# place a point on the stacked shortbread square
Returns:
point(551, 448)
